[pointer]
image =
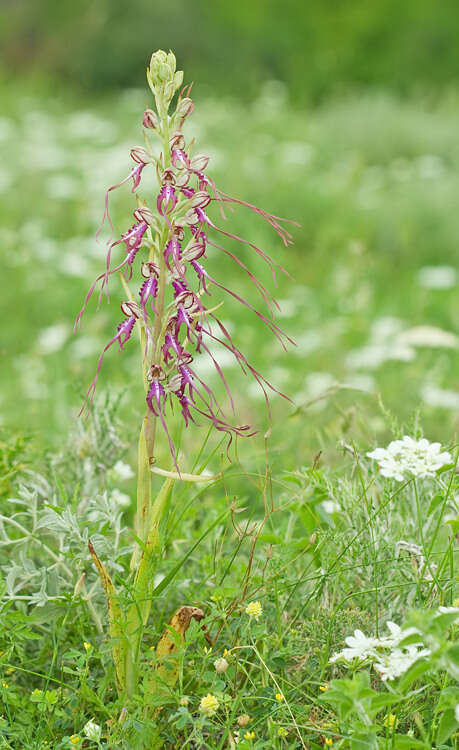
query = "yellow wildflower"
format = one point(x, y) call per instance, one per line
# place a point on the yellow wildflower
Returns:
point(323, 688)
point(74, 739)
point(249, 736)
point(5, 685)
point(282, 732)
point(208, 705)
point(390, 720)
point(254, 609)
point(328, 741)
point(279, 697)
point(87, 646)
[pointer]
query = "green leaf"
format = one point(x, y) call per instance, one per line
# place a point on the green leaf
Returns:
point(385, 699)
point(454, 523)
point(115, 619)
point(448, 724)
point(434, 503)
point(364, 741)
point(408, 743)
point(414, 673)
point(270, 538)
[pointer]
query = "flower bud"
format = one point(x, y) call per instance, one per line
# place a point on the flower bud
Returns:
point(180, 270)
point(199, 162)
point(184, 700)
point(155, 372)
point(184, 108)
point(182, 178)
point(191, 217)
point(169, 90)
point(200, 199)
point(177, 141)
point(131, 308)
point(194, 251)
point(188, 300)
point(171, 61)
point(168, 176)
point(149, 269)
point(144, 214)
point(243, 720)
point(179, 232)
point(159, 68)
point(150, 119)
point(140, 155)
point(178, 79)
point(221, 665)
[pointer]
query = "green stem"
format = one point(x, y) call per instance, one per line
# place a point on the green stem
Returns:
point(148, 514)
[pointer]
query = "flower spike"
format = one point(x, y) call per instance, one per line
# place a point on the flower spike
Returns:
point(166, 249)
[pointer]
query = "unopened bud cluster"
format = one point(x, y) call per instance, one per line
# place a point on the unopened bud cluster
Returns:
point(162, 76)
point(166, 247)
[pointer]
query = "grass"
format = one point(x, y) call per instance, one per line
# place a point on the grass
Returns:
point(310, 528)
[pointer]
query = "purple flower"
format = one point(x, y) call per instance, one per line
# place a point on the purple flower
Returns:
point(174, 281)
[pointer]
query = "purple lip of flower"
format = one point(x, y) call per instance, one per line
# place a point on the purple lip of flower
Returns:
point(188, 324)
point(148, 290)
point(167, 200)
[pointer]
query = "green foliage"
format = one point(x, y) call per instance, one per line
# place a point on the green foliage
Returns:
point(234, 46)
point(317, 573)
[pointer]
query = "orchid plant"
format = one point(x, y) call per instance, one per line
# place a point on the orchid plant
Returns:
point(166, 247)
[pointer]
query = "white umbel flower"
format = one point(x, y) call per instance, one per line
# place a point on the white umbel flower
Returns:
point(397, 634)
point(398, 661)
point(408, 457)
point(359, 647)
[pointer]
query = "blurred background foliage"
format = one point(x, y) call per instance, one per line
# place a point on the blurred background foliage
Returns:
point(316, 47)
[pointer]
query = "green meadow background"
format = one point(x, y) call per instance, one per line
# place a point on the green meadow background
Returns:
point(342, 116)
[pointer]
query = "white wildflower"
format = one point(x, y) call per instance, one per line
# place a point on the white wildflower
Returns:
point(397, 634)
point(330, 506)
point(53, 338)
point(441, 398)
point(408, 457)
point(399, 661)
point(120, 498)
point(437, 277)
point(122, 471)
point(221, 665)
point(359, 647)
point(429, 336)
point(92, 731)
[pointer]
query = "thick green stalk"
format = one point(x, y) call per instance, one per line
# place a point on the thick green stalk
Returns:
point(148, 515)
point(142, 589)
